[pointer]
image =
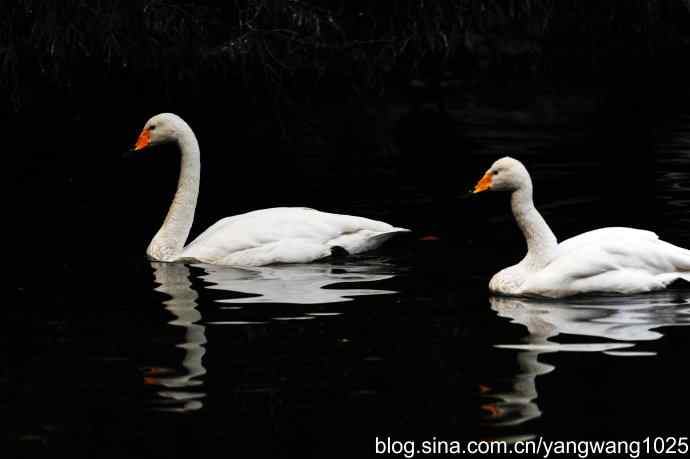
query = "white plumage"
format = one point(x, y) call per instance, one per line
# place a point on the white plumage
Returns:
point(284, 235)
point(261, 237)
point(606, 260)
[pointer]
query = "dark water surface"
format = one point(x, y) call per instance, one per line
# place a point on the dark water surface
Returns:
point(118, 357)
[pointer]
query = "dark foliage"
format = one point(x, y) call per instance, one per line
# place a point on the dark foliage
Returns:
point(302, 49)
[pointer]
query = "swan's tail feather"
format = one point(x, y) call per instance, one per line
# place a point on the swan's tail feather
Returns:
point(682, 261)
point(373, 242)
point(380, 238)
point(678, 256)
point(356, 243)
point(667, 279)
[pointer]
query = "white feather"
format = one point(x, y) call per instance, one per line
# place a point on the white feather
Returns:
point(261, 237)
point(606, 260)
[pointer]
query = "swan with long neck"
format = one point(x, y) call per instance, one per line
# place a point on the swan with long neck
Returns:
point(261, 237)
point(606, 260)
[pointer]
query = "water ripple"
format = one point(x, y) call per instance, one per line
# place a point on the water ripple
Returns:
point(296, 284)
point(614, 326)
point(181, 388)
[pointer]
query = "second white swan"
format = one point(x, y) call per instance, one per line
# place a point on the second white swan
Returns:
point(261, 237)
point(606, 260)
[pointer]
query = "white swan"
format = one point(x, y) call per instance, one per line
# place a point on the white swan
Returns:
point(606, 260)
point(261, 237)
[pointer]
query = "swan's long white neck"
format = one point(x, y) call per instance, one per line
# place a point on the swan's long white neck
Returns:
point(169, 241)
point(541, 242)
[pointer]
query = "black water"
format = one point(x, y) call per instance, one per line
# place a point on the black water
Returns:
point(114, 356)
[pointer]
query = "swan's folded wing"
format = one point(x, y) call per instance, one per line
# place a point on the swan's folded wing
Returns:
point(622, 260)
point(602, 235)
point(303, 234)
point(625, 248)
point(253, 230)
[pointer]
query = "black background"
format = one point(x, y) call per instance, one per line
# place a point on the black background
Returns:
point(351, 122)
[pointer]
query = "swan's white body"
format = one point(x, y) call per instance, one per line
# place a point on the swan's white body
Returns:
point(284, 235)
point(606, 260)
point(261, 237)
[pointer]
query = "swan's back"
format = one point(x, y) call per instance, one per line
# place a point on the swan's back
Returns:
point(284, 235)
point(610, 260)
point(602, 235)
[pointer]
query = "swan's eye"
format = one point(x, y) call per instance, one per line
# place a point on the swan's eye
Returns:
point(152, 127)
point(495, 172)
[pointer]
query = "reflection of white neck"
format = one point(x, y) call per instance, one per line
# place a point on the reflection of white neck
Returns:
point(541, 242)
point(174, 280)
point(171, 237)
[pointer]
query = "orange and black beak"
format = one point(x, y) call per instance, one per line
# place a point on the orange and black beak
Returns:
point(484, 184)
point(143, 140)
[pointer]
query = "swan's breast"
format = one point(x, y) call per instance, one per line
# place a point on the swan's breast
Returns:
point(160, 252)
point(508, 281)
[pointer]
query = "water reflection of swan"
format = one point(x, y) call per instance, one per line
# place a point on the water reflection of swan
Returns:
point(295, 284)
point(287, 284)
point(624, 320)
point(173, 280)
point(516, 404)
point(621, 322)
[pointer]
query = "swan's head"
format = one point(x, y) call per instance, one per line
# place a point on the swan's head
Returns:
point(506, 174)
point(162, 128)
